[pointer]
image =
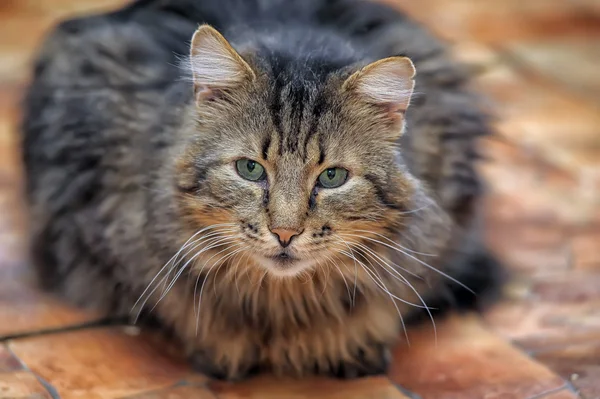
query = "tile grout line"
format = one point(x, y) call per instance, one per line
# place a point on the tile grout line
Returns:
point(74, 327)
point(47, 386)
point(564, 387)
point(402, 390)
point(568, 385)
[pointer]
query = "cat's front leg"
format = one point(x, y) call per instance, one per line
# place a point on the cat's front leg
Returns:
point(204, 361)
point(359, 346)
point(368, 361)
point(215, 342)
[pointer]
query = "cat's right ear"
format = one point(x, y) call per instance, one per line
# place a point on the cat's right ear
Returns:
point(388, 83)
point(216, 66)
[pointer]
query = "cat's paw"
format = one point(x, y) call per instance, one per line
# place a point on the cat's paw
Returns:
point(202, 363)
point(370, 361)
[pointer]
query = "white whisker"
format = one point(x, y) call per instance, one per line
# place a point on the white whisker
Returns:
point(355, 269)
point(383, 263)
point(166, 266)
point(384, 289)
point(393, 242)
point(206, 279)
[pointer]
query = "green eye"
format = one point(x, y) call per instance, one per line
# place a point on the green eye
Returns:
point(250, 170)
point(333, 177)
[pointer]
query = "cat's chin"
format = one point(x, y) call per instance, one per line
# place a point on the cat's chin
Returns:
point(284, 267)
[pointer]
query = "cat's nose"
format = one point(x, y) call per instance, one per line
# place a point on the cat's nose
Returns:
point(285, 236)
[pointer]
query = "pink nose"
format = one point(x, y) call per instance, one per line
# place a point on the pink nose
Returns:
point(285, 236)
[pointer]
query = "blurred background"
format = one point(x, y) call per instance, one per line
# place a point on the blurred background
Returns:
point(538, 61)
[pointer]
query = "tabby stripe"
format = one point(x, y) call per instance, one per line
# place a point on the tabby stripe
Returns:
point(380, 192)
point(298, 97)
point(317, 110)
point(275, 108)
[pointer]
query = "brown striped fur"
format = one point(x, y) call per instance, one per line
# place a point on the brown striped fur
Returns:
point(137, 207)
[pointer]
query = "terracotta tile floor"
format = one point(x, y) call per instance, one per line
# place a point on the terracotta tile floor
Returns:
point(537, 60)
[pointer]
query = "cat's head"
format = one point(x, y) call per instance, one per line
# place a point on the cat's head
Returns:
point(291, 168)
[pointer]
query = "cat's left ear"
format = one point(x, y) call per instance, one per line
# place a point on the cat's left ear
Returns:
point(216, 66)
point(388, 83)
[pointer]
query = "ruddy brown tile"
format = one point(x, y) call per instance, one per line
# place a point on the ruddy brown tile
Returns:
point(578, 363)
point(522, 239)
point(21, 385)
point(555, 125)
point(179, 392)
point(24, 25)
point(566, 287)
point(23, 36)
point(567, 60)
point(536, 325)
point(585, 249)
point(490, 21)
point(8, 362)
point(267, 387)
point(534, 218)
point(102, 363)
point(476, 56)
point(25, 309)
point(56, 7)
point(468, 361)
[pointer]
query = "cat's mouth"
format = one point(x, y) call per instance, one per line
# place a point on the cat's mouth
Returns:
point(285, 264)
point(284, 259)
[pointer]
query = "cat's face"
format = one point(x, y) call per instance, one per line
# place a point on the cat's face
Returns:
point(290, 175)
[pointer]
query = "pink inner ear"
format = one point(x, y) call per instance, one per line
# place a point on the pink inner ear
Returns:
point(395, 112)
point(388, 82)
point(204, 93)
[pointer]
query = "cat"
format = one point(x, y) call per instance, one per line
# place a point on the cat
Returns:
point(285, 185)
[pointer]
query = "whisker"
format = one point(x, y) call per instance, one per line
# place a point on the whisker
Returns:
point(416, 210)
point(206, 279)
point(343, 277)
point(393, 242)
point(327, 276)
point(364, 247)
point(394, 302)
point(166, 266)
point(212, 245)
point(178, 274)
point(382, 263)
point(371, 273)
point(204, 240)
point(384, 288)
point(355, 269)
point(197, 309)
point(428, 266)
point(236, 252)
point(215, 245)
point(237, 266)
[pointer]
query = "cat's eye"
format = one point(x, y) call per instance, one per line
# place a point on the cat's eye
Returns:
point(333, 177)
point(250, 170)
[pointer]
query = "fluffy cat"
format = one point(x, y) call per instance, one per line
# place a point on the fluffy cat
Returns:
point(289, 200)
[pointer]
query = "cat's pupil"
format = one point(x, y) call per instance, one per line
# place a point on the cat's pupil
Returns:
point(251, 165)
point(330, 173)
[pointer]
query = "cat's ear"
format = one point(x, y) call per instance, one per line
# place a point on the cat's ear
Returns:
point(216, 66)
point(388, 83)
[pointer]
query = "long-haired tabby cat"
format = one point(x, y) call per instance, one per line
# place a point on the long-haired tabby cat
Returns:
point(284, 184)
